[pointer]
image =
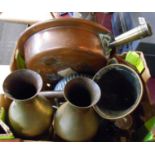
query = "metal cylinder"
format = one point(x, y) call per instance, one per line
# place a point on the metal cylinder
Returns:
point(138, 32)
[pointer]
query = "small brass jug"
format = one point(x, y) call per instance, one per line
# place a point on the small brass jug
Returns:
point(76, 119)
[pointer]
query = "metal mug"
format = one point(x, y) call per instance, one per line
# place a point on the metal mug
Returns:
point(121, 91)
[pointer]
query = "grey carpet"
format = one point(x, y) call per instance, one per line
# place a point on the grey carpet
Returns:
point(9, 34)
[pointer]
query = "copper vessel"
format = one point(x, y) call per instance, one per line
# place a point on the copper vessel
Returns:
point(51, 46)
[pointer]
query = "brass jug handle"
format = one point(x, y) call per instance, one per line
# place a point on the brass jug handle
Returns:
point(52, 94)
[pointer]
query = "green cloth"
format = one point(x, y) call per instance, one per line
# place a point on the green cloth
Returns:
point(150, 126)
point(2, 114)
point(20, 61)
point(9, 134)
point(133, 58)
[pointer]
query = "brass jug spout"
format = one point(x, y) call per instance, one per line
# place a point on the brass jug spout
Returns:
point(25, 84)
point(82, 92)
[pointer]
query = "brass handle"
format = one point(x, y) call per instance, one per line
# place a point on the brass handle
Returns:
point(51, 94)
point(141, 31)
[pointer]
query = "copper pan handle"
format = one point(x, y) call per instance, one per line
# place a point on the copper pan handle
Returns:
point(141, 31)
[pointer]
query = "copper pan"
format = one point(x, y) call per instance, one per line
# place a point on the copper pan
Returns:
point(51, 46)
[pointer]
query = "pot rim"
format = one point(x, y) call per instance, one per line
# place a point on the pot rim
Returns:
point(37, 27)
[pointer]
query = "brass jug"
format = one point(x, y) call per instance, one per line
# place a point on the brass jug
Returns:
point(76, 119)
point(30, 114)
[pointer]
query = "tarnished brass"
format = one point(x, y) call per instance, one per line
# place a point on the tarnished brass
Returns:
point(76, 120)
point(30, 114)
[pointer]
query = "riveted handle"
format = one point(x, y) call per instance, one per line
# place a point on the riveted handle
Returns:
point(141, 31)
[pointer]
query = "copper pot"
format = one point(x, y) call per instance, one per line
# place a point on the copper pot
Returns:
point(51, 46)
